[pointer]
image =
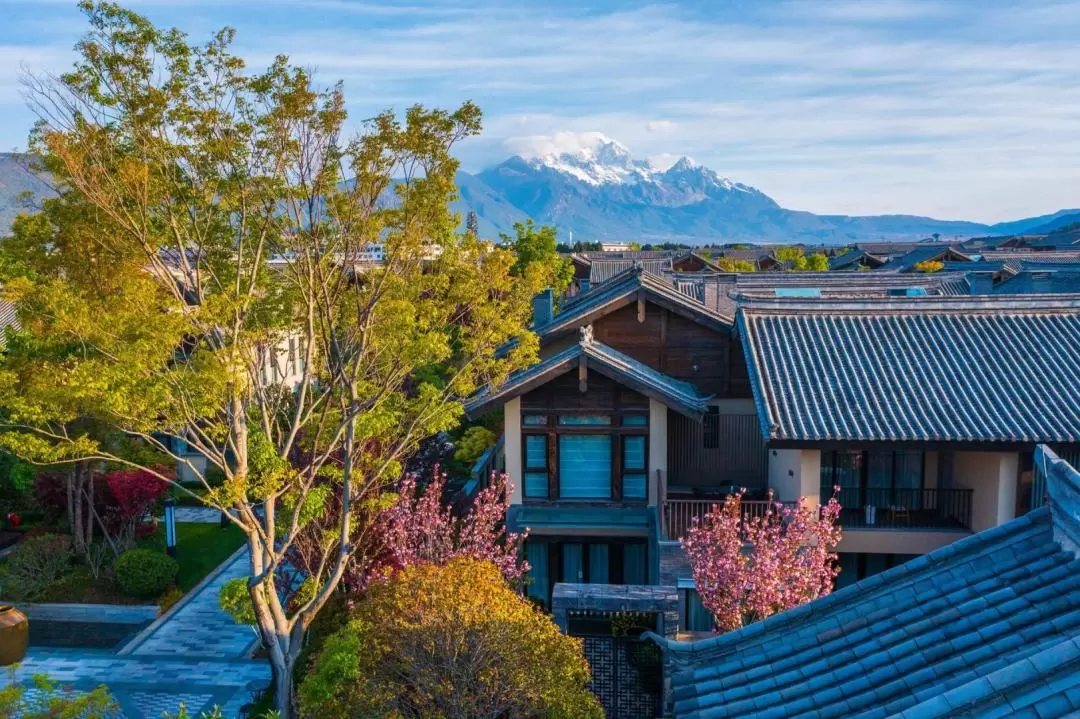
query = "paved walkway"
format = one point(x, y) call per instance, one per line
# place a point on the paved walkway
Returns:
point(200, 515)
point(193, 654)
point(196, 626)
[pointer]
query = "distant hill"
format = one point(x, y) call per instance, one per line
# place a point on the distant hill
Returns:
point(603, 193)
point(17, 178)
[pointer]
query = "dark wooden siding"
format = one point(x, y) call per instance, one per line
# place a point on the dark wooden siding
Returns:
point(603, 396)
point(739, 457)
point(712, 361)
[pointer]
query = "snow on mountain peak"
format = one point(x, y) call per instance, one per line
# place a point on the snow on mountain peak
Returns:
point(596, 159)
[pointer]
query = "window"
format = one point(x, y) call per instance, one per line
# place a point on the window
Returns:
point(536, 469)
point(574, 420)
point(557, 559)
point(695, 617)
point(711, 428)
point(635, 474)
point(585, 466)
point(585, 457)
point(878, 477)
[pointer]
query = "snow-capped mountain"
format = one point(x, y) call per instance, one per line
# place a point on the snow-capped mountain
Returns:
point(595, 189)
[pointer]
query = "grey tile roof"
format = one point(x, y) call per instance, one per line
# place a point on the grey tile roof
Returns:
point(1036, 279)
point(908, 261)
point(677, 394)
point(1067, 256)
point(601, 271)
point(586, 306)
point(8, 318)
point(981, 369)
point(854, 258)
point(987, 626)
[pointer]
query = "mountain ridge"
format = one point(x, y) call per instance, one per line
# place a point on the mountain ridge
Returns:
point(609, 195)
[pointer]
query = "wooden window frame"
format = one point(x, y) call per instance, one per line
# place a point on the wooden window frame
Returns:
point(616, 430)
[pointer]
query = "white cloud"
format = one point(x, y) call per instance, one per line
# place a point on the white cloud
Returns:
point(661, 126)
point(555, 144)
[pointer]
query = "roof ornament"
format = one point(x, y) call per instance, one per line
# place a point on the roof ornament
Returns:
point(586, 335)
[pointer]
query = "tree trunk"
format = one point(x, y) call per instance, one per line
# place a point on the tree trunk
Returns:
point(76, 516)
point(284, 693)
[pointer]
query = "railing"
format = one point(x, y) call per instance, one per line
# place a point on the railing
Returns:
point(883, 508)
point(679, 514)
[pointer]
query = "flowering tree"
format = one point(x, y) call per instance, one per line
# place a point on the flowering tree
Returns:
point(752, 569)
point(413, 528)
point(133, 492)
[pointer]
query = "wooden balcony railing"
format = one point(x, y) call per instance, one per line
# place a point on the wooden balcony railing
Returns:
point(679, 514)
point(874, 508)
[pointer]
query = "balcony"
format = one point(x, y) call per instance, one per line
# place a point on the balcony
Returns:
point(679, 514)
point(933, 509)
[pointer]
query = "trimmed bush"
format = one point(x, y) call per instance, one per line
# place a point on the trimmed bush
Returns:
point(144, 572)
point(36, 563)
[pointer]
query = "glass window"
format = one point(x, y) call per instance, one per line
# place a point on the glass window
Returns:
point(535, 420)
point(536, 474)
point(711, 429)
point(572, 568)
point(635, 420)
point(576, 420)
point(878, 473)
point(540, 585)
point(599, 555)
point(698, 618)
point(848, 468)
point(634, 470)
point(635, 567)
point(585, 466)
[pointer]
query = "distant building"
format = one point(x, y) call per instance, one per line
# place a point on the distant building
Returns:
point(615, 246)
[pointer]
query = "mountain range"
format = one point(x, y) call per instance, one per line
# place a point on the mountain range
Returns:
point(601, 192)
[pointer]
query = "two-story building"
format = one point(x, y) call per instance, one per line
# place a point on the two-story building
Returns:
point(647, 407)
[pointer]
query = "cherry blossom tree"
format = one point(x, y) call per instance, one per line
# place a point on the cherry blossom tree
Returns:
point(746, 570)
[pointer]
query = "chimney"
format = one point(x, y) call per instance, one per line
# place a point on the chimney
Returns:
point(543, 308)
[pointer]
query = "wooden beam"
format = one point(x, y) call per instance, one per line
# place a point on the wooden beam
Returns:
point(582, 374)
point(641, 305)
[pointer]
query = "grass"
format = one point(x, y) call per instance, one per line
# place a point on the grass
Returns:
point(200, 548)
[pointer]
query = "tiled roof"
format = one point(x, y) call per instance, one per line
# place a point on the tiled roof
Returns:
point(1067, 256)
point(985, 369)
point(601, 271)
point(908, 261)
point(854, 258)
point(720, 291)
point(680, 396)
point(1036, 279)
point(988, 626)
point(583, 308)
point(8, 318)
point(594, 255)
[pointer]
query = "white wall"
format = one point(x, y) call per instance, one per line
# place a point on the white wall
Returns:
point(658, 413)
point(512, 442)
point(795, 473)
point(992, 477)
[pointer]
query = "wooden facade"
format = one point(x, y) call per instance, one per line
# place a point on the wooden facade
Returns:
point(712, 361)
point(722, 450)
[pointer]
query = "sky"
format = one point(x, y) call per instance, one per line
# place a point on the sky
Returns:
point(957, 109)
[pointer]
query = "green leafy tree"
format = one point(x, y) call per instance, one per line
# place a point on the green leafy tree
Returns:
point(49, 701)
point(537, 251)
point(448, 641)
point(473, 443)
point(929, 266)
point(205, 245)
point(817, 262)
point(728, 264)
point(801, 262)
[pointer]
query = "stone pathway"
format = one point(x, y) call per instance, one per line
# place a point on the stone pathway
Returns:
point(193, 654)
point(199, 515)
point(196, 626)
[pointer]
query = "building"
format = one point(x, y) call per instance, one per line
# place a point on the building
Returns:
point(986, 627)
point(649, 404)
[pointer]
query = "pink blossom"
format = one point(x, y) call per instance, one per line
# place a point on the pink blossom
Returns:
point(748, 570)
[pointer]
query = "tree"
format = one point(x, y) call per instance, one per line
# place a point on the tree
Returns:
point(448, 641)
point(47, 700)
point(536, 249)
point(205, 236)
point(748, 570)
point(635, 246)
point(472, 223)
point(929, 266)
point(728, 264)
point(817, 262)
point(800, 261)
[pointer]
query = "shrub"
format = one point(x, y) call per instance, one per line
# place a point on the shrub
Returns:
point(45, 698)
point(144, 572)
point(36, 563)
point(473, 443)
point(448, 641)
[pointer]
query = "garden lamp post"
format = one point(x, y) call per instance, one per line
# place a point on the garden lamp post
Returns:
point(170, 527)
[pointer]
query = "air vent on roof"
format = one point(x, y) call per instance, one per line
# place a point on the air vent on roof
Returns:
point(798, 292)
point(907, 292)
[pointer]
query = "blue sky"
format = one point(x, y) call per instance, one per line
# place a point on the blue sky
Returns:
point(966, 109)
